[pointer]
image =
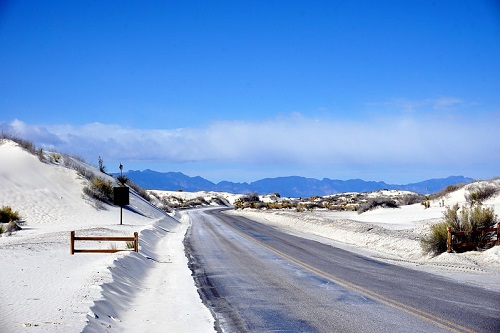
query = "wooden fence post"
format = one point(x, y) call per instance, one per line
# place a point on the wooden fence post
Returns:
point(72, 242)
point(498, 234)
point(136, 241)
point(449, 246)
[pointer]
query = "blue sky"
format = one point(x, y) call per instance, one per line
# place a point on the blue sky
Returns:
point(399, 91)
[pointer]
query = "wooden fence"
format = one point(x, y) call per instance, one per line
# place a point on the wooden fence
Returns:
point(452, 243)
point(74, 238)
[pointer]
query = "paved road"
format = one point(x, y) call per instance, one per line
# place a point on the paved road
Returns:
point(257, 279)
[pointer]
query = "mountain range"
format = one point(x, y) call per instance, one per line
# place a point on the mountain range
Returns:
point(292, 186)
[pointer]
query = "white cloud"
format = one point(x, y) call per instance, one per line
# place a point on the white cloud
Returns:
point(383, 143)
point(445, 103)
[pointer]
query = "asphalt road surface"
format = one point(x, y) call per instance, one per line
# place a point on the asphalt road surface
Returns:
point(257, 279)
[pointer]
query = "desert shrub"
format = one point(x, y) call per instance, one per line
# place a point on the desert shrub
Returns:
point(410, 199)
point(7, 215)
point(480, 193)
point(198, 201)
point(249, 200)
point(447, 190)
point(26, 144)
point(435, 242)
point(122, 179)
point(139, 190)
point(459, 219)
point(477, 217)
point(79, 166)
point(99, 189)
point(250, 197)
point(219, 201)
point(372, 203)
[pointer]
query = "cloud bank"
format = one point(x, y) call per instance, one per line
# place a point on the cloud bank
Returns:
point(392, 142)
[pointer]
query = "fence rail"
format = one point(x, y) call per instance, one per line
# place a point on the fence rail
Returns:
point(451, 245)
point(74, 238)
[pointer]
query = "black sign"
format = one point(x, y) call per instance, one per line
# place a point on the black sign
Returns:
point(121, 196)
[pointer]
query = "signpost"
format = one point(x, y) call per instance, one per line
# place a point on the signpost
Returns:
point(121, 196)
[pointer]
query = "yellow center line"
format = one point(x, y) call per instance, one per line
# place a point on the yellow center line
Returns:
point(441, 322)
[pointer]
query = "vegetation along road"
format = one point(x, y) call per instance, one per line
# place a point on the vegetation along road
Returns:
point(258, 279)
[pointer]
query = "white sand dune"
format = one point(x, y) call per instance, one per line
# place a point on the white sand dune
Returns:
point(45, 289)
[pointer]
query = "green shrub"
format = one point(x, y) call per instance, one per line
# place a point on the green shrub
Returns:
point(410, 199)
point(377, 202)
point(122, 179)
point(460, 219)
point(100, 189)
point(435, 242)
point(139, 190)
point(480, 193)
point(250, 200)
point(7, 215)
point(478, 217)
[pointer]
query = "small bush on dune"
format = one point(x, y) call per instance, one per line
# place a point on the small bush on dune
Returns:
point(247, 201)
point(410, 199)
point(100, 189)
point(373, 203)
point(7, 215)
point(11, 218)
point(139, 190)
point(78, 166)
point(480, 193)
point(446, 191)
point(26, 144)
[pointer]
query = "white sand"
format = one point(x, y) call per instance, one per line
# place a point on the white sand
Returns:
point(45, 289)
point(391, 235)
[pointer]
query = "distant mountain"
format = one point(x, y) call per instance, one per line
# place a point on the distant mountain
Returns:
point(292, 186)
